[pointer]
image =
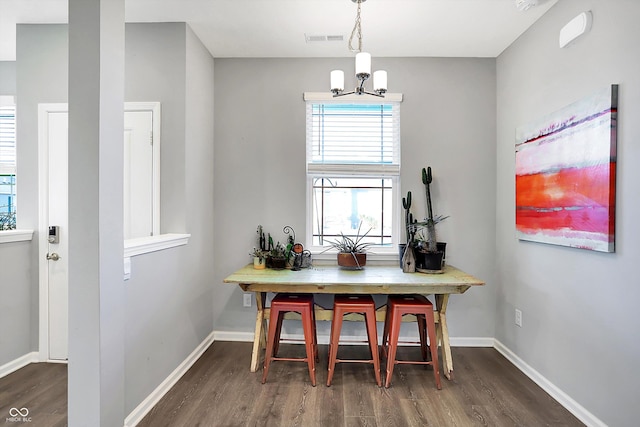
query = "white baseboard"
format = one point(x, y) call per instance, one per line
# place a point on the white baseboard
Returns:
point(471, 341)
point(564, 399)
point(324, 339)
point(147, 404)
point(233, 336)
point(18, 363)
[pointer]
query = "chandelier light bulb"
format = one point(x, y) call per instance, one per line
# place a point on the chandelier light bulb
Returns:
point(380, 81)
point(337, 80)
point(363, 63)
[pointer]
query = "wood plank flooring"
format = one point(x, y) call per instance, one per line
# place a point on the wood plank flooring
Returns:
point(41, 388)
point(219, 390)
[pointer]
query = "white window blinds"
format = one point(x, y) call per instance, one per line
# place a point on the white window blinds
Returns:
point(7, 140)
point(353, 138)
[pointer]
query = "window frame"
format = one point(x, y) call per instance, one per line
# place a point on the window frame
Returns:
point(376, 253)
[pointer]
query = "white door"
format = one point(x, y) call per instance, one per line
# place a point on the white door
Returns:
point(141, 195)
point(57, 245)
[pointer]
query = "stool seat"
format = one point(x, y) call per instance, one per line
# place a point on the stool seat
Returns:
point(281, 304)
point(422, 308)
point(363, 304)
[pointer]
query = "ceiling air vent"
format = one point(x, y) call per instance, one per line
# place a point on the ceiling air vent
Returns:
point(313, 38)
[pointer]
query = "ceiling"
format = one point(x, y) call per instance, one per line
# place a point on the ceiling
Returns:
point(277, 28)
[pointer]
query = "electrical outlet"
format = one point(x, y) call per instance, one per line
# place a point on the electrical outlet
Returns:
point(246, 300)
point(518, 318)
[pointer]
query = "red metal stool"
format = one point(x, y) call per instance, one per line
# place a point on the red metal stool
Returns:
point(299, 303)
point(421, 307)
point(363, 304)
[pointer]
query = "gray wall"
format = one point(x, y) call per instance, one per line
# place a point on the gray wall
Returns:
point(155, 69)
point(16, 295)
point(448, 122)
point(169, 290)
point(35, 74)
point(579, 314)
point(15, 274)
point(7, 78)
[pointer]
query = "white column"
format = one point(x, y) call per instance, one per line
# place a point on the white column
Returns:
point(96, 286)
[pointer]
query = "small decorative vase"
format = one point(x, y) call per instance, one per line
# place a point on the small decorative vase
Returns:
point(259, 263)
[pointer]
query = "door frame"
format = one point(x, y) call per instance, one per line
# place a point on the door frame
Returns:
point(43, 206)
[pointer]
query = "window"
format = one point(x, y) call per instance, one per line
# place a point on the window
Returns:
point(353, 171)
point(7, 164)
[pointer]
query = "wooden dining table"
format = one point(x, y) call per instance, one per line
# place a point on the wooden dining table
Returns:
point(372, 280)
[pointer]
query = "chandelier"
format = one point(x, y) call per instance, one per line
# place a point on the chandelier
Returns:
point(363, 67)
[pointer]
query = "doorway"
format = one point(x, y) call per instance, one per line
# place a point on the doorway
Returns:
point(141, 144)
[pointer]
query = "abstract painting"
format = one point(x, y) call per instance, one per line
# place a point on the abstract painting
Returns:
point(565, 175)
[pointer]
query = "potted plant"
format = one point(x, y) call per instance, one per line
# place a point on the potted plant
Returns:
point(430, 252)
point(259, 259)
point(276, 257)
point(352, 252)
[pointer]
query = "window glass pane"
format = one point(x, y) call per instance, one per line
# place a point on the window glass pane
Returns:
point(7, 167)
point(340, 205)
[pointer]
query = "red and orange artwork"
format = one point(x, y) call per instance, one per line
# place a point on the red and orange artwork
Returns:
point(565, 175)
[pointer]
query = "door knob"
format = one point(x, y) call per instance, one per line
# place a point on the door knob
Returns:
point(53, 256)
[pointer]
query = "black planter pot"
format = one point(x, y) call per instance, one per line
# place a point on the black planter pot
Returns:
point(442, 247)
point(276, 263)
point(432, 261)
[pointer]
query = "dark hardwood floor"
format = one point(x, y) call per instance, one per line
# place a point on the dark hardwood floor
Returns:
point(219, 390)
point(41, 388)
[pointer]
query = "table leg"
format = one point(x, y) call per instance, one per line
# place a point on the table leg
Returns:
point(443, 335)
point(259, 336)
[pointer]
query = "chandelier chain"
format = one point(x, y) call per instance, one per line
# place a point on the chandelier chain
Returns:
point(357, 31)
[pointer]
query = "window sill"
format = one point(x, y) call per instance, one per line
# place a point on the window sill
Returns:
point(9, 236)
point(374, 258)
point(144, 245)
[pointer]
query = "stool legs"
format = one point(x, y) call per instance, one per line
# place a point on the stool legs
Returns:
point(308, 326)
point(372, 334)
point(334, 338)
point(271, 339)
point(284, 303)
point(394, 333)
point(423, 310)
point(354, 304)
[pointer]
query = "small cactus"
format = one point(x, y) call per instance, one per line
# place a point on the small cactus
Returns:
point(262, 241)
point(406, 204)
point(427, 179)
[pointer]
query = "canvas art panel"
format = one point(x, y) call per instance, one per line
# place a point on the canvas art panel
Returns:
point(565, 175)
